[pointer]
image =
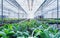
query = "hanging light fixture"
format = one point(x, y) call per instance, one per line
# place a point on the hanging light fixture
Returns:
point(32, 1)
point(30, 4)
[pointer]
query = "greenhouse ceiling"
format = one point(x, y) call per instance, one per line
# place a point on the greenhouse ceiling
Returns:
point(31, 8)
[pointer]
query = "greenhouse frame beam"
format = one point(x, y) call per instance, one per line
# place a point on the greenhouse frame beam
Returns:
point(44, 4)
point(47, 4)
point(15, 4)
point(50, 3)
point(10, 4)
point(45, 12)
point(57, 12)
point(6, 9)
point(50, 10)
point(9, 10)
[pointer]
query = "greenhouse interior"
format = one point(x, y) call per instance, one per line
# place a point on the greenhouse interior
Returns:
point(29, 18)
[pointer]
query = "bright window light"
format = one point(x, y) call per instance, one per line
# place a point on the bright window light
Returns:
point(36, 5)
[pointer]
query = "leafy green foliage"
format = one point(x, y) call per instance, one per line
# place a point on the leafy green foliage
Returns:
point(29, 28)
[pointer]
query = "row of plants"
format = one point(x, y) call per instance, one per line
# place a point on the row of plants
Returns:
point(10, 20)
point(6, 19)
point(29, 28)
point(52, 21)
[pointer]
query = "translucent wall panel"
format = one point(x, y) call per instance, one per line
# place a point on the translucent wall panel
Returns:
point(51, 10)
point(59, 8)
point(9, 8)
point(51, 15)
point(0, 7)
point(0, 11)
point(48, 8)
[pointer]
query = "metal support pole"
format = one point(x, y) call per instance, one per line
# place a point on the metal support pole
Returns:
point(52, 15)
point(2, 11)
point(57, 12)
point(8, 14)
point(18, 14)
